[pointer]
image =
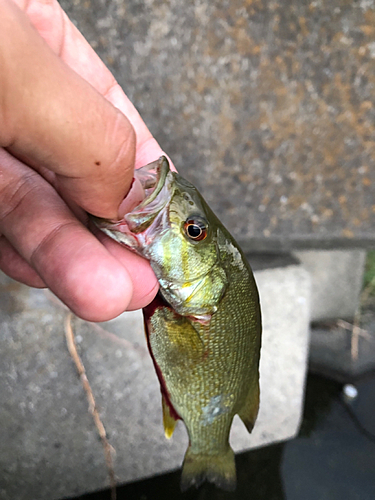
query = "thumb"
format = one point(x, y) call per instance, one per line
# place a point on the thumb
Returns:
point(46, 111)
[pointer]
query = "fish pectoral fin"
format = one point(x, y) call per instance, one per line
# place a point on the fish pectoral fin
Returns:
point(249, 411)
point(169, 421)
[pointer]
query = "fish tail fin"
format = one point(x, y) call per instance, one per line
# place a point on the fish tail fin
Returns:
point(218, 469)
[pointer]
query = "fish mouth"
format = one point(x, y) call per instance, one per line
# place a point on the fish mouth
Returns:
point(152, 178)
point(155, 179)
point(154, 183)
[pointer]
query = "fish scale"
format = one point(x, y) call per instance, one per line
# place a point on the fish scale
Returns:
point(204, 326)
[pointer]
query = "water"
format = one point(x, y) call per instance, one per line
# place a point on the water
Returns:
point(333, 457)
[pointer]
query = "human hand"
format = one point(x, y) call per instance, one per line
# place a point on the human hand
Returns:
point(69, 141)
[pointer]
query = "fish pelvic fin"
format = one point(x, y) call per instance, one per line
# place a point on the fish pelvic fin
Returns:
point(218, 469)
point(169, 420)
point(249, 411)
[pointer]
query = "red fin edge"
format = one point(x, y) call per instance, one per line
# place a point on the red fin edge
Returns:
point(148, 312)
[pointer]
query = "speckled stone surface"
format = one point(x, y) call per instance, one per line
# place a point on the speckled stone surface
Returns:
point(267, 106)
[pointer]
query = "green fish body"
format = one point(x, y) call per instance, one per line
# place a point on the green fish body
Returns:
point(204, 326)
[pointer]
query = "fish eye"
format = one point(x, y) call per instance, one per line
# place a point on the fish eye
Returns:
point(195, 228)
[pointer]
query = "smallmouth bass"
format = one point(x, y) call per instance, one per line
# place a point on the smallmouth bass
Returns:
point(204, 326)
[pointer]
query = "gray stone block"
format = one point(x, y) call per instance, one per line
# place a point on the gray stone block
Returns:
point(267, 107)
point(336, 278)
point(50, 447)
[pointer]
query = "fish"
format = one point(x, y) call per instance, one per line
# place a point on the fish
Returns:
point(203, 328)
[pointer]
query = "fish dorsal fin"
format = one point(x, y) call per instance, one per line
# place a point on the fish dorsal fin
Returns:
point(168, 420)
point(249, 411)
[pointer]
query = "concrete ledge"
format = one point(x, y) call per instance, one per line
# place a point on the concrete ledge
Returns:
point(336, 279)
point(50, 448)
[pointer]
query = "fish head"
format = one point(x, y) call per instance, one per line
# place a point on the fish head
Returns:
point(176, 231)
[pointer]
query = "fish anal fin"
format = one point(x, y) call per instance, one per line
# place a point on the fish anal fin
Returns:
point(248, 413)
point(219, 469)
point(169, 421)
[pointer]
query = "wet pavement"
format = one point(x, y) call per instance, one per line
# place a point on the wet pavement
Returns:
point(333, 457)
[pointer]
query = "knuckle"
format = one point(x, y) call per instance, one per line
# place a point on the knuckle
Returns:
point(14, 189)
point(50, 241)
